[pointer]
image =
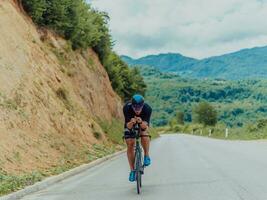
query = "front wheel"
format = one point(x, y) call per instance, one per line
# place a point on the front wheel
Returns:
point(140, 179)
point(138, 168)
point(138, 182)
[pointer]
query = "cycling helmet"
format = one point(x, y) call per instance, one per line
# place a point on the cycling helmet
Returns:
point(137, 102)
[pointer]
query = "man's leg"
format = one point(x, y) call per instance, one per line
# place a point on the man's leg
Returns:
point(130, 152)
point(145, 143)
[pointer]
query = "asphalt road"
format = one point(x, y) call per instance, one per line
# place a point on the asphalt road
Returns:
point(184, 167)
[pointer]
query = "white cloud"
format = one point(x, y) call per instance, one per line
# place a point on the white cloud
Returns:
point(196, 28)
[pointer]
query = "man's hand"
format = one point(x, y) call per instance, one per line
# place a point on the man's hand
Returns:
point(131, 123)
point(138, 120)
point(144, 125)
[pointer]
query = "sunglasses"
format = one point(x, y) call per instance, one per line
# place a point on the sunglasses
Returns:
point(137, 107)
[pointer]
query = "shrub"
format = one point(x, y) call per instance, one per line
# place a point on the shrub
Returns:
point(205, 114)
point(180, 117)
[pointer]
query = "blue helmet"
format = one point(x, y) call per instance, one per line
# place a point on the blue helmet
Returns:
point(137, 102)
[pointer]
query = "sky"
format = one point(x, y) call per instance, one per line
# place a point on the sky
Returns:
point(194, 28)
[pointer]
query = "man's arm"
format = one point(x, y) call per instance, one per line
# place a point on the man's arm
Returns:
point(129, 122)
point(146, 120)
point(144, 125)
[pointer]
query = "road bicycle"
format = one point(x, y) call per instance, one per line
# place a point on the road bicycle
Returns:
point(139, 158)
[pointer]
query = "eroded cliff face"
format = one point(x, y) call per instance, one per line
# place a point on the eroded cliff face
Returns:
point(50, 96)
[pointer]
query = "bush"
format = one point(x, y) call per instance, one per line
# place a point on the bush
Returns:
point(177, 128)
point(205, 114)
point(180, 117)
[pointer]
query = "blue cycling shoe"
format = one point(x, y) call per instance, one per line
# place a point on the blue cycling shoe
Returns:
point(132, 176)
point(147, 161)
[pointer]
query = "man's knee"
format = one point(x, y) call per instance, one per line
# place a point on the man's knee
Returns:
point(146, 136)
point(130, 143)
point(144, 132)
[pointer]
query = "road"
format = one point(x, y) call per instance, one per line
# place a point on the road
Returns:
point(184, 167)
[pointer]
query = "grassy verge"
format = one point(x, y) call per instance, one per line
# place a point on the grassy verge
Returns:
point(10, 183)
point(153, 132)
point(113, 130)
point(249, 132)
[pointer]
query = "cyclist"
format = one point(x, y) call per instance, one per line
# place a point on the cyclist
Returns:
point(136, 111)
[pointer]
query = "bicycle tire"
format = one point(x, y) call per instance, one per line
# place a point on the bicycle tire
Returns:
point(138, 172)
point(138, 186)
point(141, 170)
point(140, 180)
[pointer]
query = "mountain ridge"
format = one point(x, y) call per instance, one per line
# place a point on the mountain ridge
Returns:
point(245, 63)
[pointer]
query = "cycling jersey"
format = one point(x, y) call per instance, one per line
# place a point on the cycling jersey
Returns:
point(129, 113)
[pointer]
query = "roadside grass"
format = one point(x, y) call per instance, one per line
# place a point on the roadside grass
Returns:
point(10, 183)
point(154, 132)
point(254, 131)
point(113, 129)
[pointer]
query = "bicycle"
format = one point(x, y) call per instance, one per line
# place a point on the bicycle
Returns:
point(138, 165)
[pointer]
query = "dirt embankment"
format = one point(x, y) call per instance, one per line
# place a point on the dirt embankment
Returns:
point(50, 96)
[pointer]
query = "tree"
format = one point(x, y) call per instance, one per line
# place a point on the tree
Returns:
point(205, 114)
point(125, 81)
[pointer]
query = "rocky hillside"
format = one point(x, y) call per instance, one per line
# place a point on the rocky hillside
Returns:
point(51, 97)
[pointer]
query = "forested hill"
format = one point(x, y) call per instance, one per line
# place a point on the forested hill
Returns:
point(238, 102)
point(243, 64)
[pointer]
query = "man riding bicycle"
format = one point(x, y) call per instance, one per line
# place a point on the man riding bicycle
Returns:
point(136, 111)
